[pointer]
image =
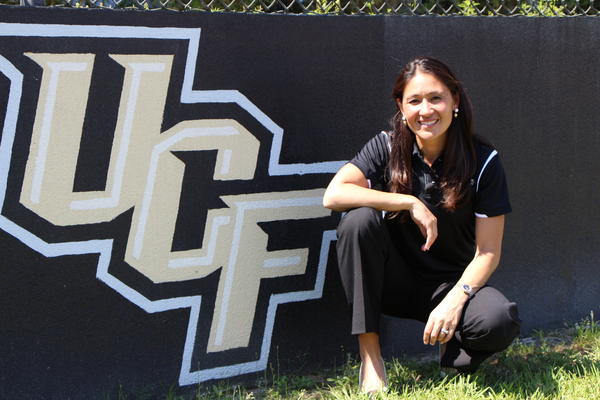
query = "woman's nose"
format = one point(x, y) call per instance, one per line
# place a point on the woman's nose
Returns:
point(425, 108)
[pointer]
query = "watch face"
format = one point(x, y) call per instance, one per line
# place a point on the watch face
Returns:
point(467, 288)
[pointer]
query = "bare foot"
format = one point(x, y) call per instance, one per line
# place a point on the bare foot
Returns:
point(372, 377)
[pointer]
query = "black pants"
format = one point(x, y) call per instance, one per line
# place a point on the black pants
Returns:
point(377, 281)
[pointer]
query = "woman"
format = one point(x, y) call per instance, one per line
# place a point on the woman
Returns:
point(424, 230)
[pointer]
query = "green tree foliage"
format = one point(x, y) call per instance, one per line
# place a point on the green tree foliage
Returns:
point(541, 8)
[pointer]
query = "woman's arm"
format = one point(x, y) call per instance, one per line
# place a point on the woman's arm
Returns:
point(349, 188)
point(488, 238)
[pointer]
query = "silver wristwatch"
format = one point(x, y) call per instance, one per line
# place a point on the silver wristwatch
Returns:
point(466, 288)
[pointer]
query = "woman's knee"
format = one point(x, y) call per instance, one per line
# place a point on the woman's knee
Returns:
point(494, 329)
point(359, 221)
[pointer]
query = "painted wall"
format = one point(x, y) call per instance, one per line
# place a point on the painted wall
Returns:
point(161, 178)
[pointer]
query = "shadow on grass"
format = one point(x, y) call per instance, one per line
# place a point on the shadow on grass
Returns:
point(522, 370)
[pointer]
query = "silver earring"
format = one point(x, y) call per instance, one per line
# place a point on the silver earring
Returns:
point(456, 112)
point(404, 120)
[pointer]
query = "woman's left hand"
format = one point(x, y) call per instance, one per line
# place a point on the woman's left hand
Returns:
point(444, 319)
point(488, 238)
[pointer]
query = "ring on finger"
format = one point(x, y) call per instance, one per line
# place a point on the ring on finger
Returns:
point(444, 331)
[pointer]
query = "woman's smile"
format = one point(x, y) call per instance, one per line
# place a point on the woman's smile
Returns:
point(427, 105)
point(428, 123)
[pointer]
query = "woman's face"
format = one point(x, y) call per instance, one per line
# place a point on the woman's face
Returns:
point(427, 104)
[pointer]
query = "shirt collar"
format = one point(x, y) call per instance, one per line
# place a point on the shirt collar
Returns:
point(417, 153)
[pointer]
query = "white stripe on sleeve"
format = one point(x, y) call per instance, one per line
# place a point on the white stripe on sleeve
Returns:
point(492, 155)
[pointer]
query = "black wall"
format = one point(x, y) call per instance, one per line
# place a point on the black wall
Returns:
point(327, 81)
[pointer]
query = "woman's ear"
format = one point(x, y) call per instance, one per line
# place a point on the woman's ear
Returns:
point(399, 105)
point(456, 101)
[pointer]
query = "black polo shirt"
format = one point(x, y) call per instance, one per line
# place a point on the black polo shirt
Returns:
point(454, 247)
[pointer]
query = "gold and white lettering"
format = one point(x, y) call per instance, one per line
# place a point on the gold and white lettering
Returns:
point(151, 235)
point(50, 171)
point(249, 261)
point(144, 174)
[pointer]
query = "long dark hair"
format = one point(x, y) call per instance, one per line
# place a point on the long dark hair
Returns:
point(459, 151)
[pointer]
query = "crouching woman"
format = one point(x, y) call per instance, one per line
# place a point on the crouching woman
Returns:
point(424, 224)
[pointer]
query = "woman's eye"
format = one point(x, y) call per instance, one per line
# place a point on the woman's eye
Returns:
point(413, 102)
point(436, 99)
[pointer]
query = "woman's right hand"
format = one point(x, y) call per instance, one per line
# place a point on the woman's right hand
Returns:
point(426, 221)
point(349, 188)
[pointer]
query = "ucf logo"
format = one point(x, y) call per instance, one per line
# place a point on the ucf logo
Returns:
point(146, 174)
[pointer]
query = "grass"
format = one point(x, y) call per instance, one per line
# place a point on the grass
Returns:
point(550, 365)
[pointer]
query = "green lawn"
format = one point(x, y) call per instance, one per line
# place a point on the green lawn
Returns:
point(562, 364)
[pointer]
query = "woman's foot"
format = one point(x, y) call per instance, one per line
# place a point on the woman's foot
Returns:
point(372, 376)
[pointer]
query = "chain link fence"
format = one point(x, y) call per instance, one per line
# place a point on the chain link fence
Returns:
point(546, 8)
